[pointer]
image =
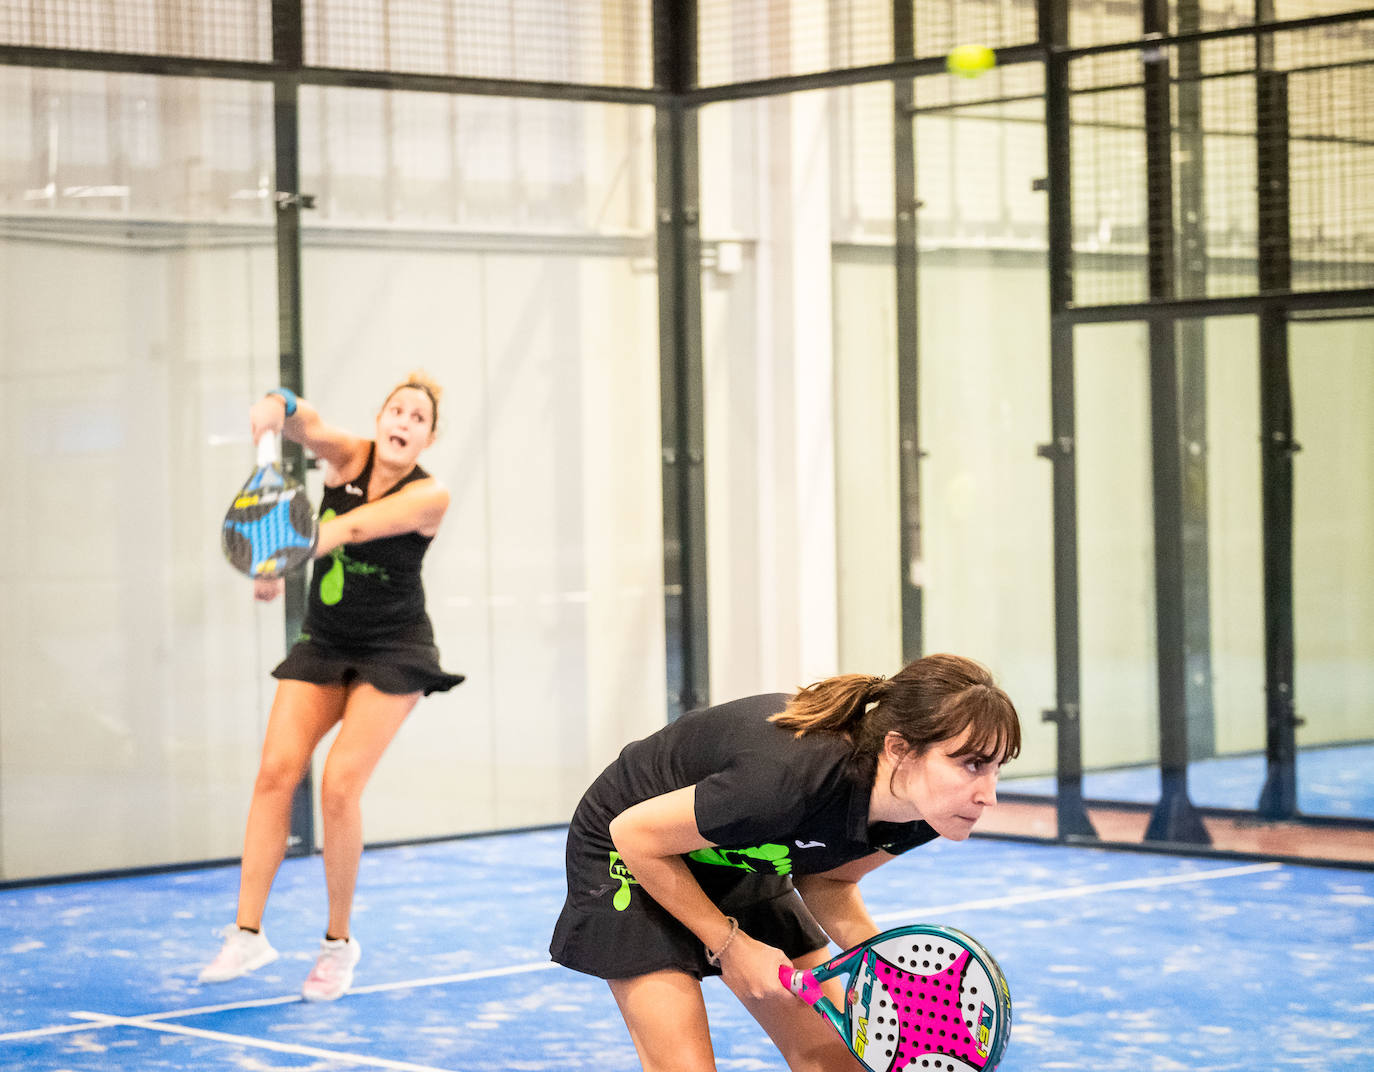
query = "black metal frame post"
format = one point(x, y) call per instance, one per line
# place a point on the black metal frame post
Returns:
point(911, 579)
point(1071, 818)
point(678, 225)
point(1191, 282)
point(1279, 795)
point(1174, 818)
point(288, 53)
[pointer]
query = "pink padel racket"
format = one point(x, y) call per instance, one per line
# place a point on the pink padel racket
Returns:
point(924, 998)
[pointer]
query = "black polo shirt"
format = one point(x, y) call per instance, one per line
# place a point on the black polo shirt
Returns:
point(772, 803)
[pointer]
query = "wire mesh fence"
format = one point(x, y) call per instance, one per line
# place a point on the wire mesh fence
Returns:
point(577, 42)
point(1271, 153)
point(1261, 183)
point(204, 29)
point(750, 40)
point(566, 41)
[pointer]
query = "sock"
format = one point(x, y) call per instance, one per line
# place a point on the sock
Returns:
point(330, 938)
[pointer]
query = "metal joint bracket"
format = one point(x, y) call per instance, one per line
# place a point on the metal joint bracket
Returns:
point(288, 200)
point(1285, 443)
point(1061, 447)
point(1059, 715)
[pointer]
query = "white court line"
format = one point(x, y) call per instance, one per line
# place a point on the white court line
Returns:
point(441, 980)
point(1082, 891)
point(150, 1019)
point(256, 1043)
point(63, 1029)
point(39, 1032)
point(230, 1006)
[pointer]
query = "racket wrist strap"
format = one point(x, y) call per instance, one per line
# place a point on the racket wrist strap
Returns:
point(288, 398)
point(713, 956)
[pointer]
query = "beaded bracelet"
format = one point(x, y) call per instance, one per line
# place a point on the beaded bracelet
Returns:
point(288, 398)
point(714, 958)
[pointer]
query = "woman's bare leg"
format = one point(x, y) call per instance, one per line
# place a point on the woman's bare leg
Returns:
point(371, 719)
point(666, 1017)
point(302, 714)
point(806, 1042)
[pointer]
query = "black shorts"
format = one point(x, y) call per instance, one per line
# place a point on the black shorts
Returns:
point(398, 668)
point(611, 928)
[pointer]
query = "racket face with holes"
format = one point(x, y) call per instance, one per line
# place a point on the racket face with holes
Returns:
point(924, 998)
point(270, 527)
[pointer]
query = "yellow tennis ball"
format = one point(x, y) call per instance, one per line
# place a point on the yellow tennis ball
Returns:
point(969, 61)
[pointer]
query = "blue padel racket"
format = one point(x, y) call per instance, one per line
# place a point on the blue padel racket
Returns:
point(924, 998)
point(270, 527)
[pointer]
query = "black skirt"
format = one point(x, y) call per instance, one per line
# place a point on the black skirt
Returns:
point(612, 929)
point(398, 667)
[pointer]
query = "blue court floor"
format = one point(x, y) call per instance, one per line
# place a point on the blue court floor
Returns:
point(1118, 962)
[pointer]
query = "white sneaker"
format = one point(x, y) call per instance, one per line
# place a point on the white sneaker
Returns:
point(333, 971)
point(242, 952)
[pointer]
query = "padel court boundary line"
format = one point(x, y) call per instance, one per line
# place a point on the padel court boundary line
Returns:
point(102, 1020)
point(151, 1018)
point(1064, 892)
point(152, 1021)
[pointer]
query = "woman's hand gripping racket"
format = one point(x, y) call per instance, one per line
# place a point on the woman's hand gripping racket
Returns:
point(918, 997)
point(270, 527)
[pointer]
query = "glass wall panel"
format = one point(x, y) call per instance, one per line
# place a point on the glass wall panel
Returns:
point(773, 172)
point(1116, 586)
point(798, 297)
point(983, 385)
point(801, 381)
point(1333, 586)
point(1332, 598)
point(506, 247)
point(1226, 689)
point(137, 321)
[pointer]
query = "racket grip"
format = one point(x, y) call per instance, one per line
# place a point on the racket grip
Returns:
point(801, 983)
point(269, 450)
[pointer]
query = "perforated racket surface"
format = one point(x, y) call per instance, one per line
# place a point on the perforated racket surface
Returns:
point(270, 526)
point(924, 997)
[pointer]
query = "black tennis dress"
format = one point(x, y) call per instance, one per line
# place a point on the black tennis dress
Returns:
point(773, 804)
point(366, 617)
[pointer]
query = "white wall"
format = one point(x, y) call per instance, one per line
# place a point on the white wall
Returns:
point(132, 669)
point(134, 335)
point(545, 584)
point(787, 476)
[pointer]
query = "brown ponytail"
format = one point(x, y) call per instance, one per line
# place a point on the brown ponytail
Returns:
point(832, 704)
point(936, 698)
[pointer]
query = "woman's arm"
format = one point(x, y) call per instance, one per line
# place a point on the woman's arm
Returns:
point(651, 838)
point(417, 507)
point(342, 451)
point(833, 898)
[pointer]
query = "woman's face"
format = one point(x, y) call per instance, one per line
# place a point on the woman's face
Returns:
point(947, 790)
point(405, 426)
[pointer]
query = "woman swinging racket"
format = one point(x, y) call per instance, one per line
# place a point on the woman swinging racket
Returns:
point(365, 657)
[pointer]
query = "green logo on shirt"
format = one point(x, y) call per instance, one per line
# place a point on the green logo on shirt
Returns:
point(776, 855)
point(332, 583)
